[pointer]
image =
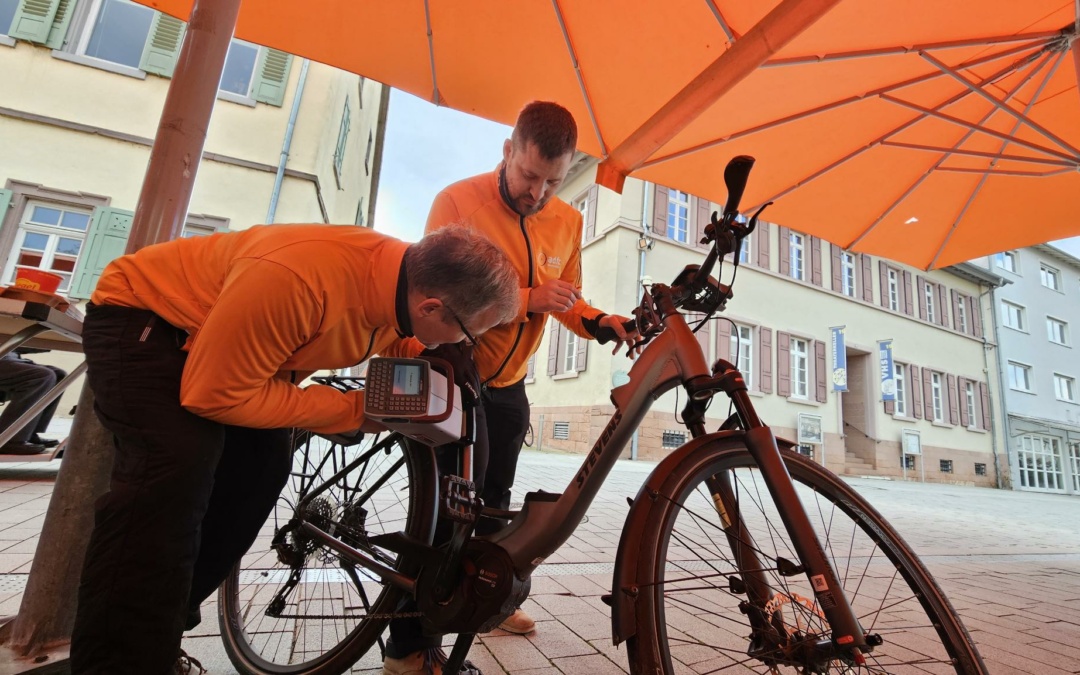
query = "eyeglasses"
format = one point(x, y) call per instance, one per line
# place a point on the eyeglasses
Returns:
point(468, 336)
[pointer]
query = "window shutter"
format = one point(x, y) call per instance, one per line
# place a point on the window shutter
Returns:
point(530, 368)
point(974, 316)
point(943, 302)
point(761, 239)
point(660, 207)
point(909, 308)
point(58, 29)
point(916, 392)
point(553, 347)
point(163, 46)
point(702, 335)
point(868, 278)
point(920, 285)
point(956, 300)
point(954, 400)
point(590, 209)
point(837, 280)
point(815, 261)
point(271, 76)
point(764, 354)
point(928, 394)
point(890, 407)
point(961, 398)
point(984, 394)
point(33, 20)
point(704, 209)
point(582, 353)
point(105, 241)
point(883, 272)
point(783, 364)
point(785, 251)
point(820, 373)
point(723, 340)
point(5, 202)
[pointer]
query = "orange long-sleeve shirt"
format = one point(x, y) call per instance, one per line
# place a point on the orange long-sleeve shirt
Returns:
point(543, 246)
point(264, 308)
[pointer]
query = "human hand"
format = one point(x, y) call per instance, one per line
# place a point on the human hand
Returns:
point(554, 295)
point(622, 337)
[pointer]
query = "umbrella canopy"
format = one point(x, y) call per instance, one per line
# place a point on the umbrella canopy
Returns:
point(923, 131)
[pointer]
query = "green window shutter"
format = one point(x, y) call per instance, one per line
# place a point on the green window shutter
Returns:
point(105, 241)
point(271, 76)
point(163, 47)
point(33, 20)
point(5, 202)
point(59, 28)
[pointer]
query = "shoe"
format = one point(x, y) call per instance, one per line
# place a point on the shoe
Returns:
point(425, 662)
point(519, 623)
point(17, 448)
point(187, 665)
point(47, 442)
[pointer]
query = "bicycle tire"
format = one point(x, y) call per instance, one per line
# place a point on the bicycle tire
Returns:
point(326, 627)
point(890, 590)
point(528, 440)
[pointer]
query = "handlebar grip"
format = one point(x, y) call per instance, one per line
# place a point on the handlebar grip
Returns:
point(736, 174)
point(606, 335)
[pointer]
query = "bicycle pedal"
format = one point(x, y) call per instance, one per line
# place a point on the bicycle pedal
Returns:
point(736, 585)
point(786, 568)
point(458, 501)
point(606, 599)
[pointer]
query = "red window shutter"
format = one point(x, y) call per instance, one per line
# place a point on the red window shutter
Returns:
point(890, 407)
point(954, 400)
point(764, 361)
point(815, 261)
point(723, 340)
point(928, 394)
point(916, 392)
point(943, 303)
point(883, 272)
point(975, 316)
point(821, 376)
point(961, 398)
point(785, 251)
point(909, 308)
point(783, 364)
point(553, 347)
point(837, 280)
point(761, 241)
point(868, 279)
point(984, 394)
point(660, 209)
point(956, 300)
point(704, 209)
point(921, 286)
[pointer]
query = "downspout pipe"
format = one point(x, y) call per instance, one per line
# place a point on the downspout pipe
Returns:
point(1000, 388)
point(644, 229)
point(286, 145)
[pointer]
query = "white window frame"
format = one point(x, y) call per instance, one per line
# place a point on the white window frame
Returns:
point(929, 291)
point(87, 30)
point(1055, 326)
point(1012, 316)
point(678, 216)
point(1041, 464)
point(54, 233)
point(797, 255)
point(570, 349)
point(938, 400)
point(800, 368)
point(742, 346)
point(961, 313)
point(847, 274)
point(1015, 369)
point(582, 205)
point(1051, 275)
point(893, 280)
point(969, 401)
point(744, 252)
point(1008, 261)
point(1065, 388)
point(900, 404)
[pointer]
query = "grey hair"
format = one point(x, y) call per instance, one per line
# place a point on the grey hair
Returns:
point(465, 270)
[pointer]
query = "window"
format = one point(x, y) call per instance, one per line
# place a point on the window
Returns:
point(894, 290)
point(961, 314)
point(901, 389)
point(980, 469)
point(1012, 315)
point(197, 230)
point(929, 290)
point(945, 465)
point(1019, 376)
point(797, 256)
point(742, 347)
point(239, 72)
point(570, 352)
point(49, 238)
point(342, 139)
point(1056, 330)
point(7, 14)
point(806, 450)
point(678, 215)
point(1040, 462)
point(1050, 277)
point(1006, 260)
point(561, 431)
point(744, 252)
point(582, 205)
point(800, 363)
point(909, 462)
point(672, 439)
point(969, 401)
point(938, 400)
point(1064, 388)
point(117, 33)
point(847, 274)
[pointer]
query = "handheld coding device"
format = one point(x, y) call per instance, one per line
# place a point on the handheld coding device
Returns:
point(411, 397)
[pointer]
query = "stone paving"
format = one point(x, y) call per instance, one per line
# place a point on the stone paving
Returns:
point(1009, 561)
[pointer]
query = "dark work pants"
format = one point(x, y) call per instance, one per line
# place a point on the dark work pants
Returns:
point(186, 499)
point(25, 382)
point(501, 423)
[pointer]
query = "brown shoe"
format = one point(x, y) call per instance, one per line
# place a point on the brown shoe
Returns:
point(17, 448)
point(424, 662)
point(519, 623)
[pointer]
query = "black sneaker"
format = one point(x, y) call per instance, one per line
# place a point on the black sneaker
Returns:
point(47, 442)
point(18, 448)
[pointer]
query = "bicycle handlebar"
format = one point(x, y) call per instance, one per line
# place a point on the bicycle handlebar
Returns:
point(605, 335)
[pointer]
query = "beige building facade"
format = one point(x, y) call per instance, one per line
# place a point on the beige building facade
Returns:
point(82, 85)
point(791, 291)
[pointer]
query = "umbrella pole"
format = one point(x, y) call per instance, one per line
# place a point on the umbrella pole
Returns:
point(47, 613)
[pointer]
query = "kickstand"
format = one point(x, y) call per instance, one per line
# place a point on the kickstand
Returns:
point(457, 655)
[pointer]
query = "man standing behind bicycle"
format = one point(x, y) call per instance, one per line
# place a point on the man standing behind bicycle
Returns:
point(195, 349)
point(516, 207)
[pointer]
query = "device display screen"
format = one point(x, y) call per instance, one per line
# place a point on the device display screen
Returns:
point(406, 380)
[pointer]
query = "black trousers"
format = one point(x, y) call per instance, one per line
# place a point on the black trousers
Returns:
point(186, 499)
point(501, 423)
point(25, 382)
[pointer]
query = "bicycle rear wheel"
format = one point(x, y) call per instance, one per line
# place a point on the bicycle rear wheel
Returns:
point(305, 610)
point(690, 621)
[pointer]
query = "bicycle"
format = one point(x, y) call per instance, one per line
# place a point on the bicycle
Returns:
point(737, 553)
point(528, 441)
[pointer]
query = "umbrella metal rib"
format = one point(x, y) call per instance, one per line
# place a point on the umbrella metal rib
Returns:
point(431, 55)
point(580, 76)
point(980, 153)
point(731, 35)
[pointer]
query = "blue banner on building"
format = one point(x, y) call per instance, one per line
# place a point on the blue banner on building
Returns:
point(839, 359)
point(888, 373)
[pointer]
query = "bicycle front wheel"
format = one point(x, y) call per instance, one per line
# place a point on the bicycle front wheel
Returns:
point(303, 609)
point(691, 621)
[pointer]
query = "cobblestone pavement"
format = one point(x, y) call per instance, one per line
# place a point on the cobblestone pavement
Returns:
point(1009, 561)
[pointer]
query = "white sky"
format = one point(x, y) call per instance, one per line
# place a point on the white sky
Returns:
point(428, 147)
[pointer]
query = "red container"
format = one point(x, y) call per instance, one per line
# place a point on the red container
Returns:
point(37, 280)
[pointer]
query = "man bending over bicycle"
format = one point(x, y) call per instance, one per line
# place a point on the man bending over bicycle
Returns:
point(194, 351)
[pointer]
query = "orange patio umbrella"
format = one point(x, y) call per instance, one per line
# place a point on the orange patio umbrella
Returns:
point(925, 131)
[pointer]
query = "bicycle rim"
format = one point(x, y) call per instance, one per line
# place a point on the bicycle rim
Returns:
point(336, 612)
point(691, 622)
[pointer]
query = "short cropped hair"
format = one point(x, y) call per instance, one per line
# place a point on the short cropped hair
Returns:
point(549, 125)
point(465, 270)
